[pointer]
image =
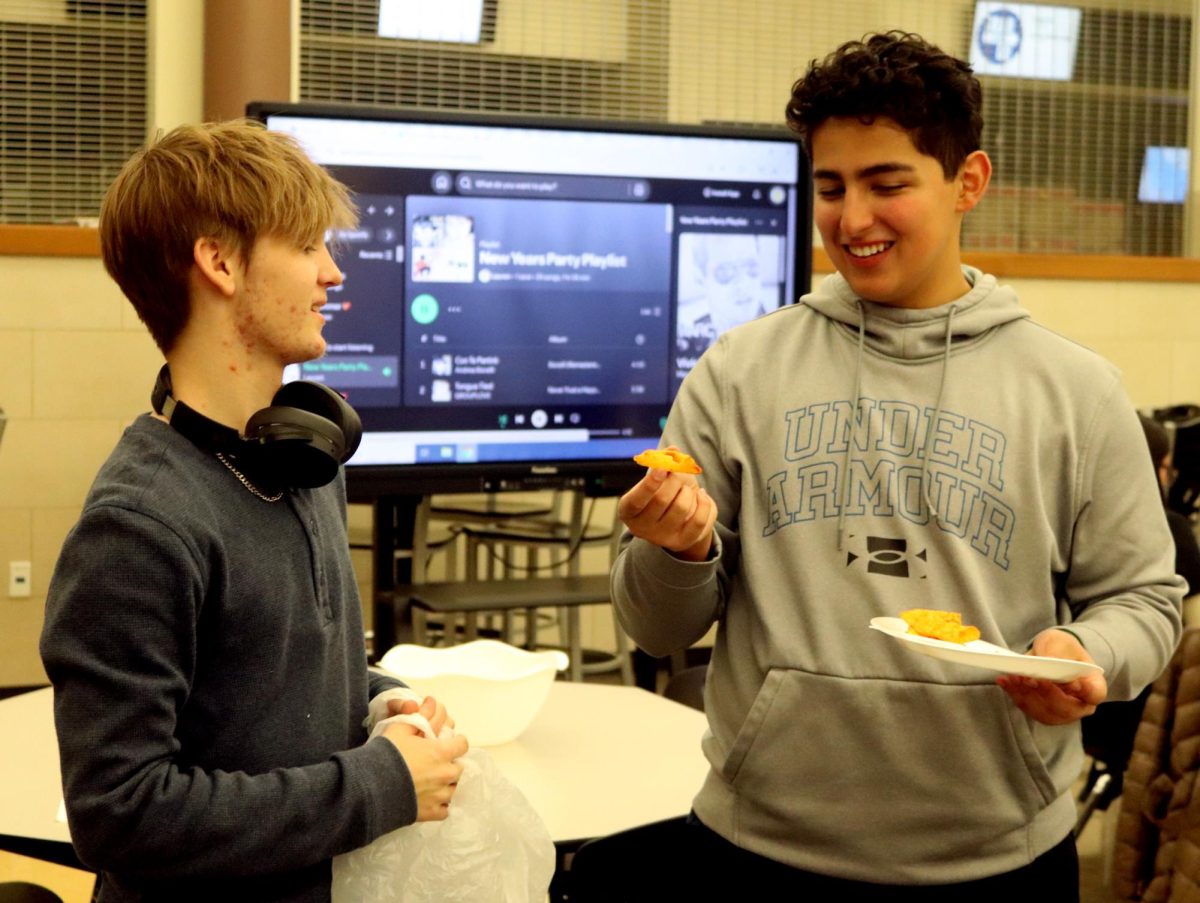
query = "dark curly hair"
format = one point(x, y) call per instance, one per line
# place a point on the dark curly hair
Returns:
point(898, 76)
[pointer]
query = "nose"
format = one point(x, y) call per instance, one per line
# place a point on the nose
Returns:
point(328, 272)
point(857, 216)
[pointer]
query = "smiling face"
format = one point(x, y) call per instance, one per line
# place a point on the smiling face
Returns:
point(278, 310)
point(889, 217)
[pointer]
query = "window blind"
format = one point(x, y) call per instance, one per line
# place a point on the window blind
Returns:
point(1069, 153)
point(598, 60)
point(72, 103)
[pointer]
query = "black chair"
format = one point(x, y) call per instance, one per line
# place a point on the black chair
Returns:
point(1108, 736)
point(687, 686)
point(24, 892)
point(640, 865)
point(1183, 426)
point(496, 584)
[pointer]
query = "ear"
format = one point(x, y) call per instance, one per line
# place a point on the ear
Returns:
point(216, 263)
point(973, 179)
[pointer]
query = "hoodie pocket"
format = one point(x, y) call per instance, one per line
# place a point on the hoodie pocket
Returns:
point(862, 762)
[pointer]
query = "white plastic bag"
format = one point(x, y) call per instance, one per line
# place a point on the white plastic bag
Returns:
point(493, 848)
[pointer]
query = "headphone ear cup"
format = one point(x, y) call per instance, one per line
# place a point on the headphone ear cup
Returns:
point(303, 437)
point(287, 446)
point(321, 400)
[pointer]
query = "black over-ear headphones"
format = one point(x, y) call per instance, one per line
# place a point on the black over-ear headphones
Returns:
point(299, 441)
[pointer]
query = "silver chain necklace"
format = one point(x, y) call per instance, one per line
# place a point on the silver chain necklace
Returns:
point(246, 482)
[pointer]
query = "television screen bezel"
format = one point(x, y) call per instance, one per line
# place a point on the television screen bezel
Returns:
point(595, 476)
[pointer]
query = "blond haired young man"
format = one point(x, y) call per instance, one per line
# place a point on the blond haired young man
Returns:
point(203, 630)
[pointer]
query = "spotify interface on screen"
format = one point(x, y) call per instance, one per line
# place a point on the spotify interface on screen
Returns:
point(503, 308)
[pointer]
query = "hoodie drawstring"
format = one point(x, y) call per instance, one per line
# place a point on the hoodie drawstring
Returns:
point(926, 490)
point(844, 489)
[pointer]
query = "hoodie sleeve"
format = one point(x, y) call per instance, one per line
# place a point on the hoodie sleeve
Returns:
point(1122, 583)
point(664, 603)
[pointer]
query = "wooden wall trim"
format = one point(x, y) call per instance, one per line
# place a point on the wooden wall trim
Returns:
point(80, 241)
point(49, 241)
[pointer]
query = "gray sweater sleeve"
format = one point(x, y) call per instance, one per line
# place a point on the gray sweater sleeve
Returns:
point(153, 788)
point(1121, 583)
point(666, 604)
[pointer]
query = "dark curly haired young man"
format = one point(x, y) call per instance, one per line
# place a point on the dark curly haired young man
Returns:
point(904, 437)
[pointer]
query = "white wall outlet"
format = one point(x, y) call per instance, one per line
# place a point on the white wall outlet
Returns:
point(20, 578)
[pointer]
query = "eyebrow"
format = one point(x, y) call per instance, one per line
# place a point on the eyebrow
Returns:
point(878, 169)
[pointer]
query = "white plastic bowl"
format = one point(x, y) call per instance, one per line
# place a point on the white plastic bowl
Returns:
point(492, 690)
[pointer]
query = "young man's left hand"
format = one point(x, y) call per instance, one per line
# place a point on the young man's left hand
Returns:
point(1054, 703)
point(434, 712)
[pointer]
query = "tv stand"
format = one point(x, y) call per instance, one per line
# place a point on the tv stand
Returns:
point(402, 547)
point(400, 534)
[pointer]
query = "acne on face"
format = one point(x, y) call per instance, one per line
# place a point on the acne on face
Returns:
point(277, 317)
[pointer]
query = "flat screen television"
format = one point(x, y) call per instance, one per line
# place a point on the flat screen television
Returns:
point(522, 299)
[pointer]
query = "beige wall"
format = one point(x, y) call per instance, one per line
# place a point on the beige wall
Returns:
point(75, 366)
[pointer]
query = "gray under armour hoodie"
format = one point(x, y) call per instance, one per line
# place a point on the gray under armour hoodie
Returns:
point(866, 460)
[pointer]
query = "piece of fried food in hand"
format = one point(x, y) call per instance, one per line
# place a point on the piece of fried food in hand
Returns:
point(668, 459)
point(939, 625)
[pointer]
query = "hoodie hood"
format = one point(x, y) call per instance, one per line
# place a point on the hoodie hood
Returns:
point(914, 335)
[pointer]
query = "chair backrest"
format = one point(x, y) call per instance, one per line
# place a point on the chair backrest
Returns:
point(562, 536)
point(1108, 732)
point(638, 865)
point(687, 686)
point(1183, 427)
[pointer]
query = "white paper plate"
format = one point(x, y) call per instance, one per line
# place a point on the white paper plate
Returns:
point(981, 654)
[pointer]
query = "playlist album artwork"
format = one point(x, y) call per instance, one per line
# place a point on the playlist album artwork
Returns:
point(725, 279)
point(443, 248)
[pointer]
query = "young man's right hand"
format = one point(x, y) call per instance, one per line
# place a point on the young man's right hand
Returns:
point(671, 511)
point(433, 765)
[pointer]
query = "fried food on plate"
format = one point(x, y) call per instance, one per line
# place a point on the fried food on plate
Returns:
point(939, 625)
point(668, 459)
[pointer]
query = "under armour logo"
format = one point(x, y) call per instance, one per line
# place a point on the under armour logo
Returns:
point(887, 557)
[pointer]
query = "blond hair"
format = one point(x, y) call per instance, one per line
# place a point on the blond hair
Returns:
point(233, 181)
